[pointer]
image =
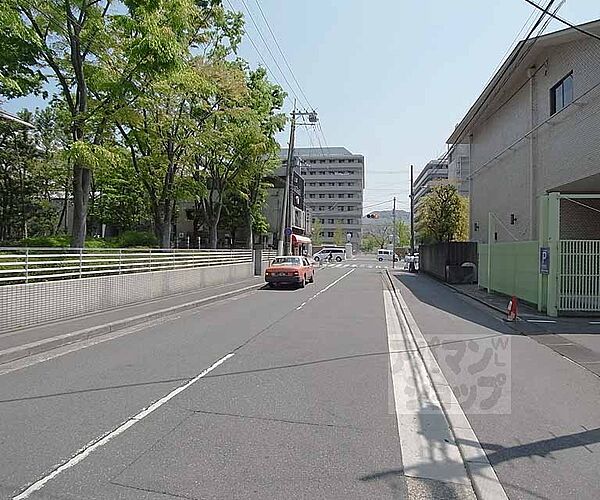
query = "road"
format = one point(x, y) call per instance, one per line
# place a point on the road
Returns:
point(286, 394)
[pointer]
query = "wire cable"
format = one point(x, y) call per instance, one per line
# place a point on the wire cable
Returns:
point(282, 54)
point(564, 21)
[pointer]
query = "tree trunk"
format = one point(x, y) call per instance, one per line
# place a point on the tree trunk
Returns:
point(213, 232)
point(250, 233)
point(81, 194)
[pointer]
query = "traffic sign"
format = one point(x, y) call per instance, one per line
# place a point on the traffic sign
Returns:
point(288, 231)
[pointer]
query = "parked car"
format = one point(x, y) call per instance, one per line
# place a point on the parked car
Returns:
point(383, 254)
point(337, 253)
point(292, 270)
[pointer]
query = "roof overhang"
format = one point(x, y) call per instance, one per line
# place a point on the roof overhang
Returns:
point(464, 128)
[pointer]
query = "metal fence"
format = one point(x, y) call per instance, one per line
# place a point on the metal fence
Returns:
point(31, 265)
point(579, 276)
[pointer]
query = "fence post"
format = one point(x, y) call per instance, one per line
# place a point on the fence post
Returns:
point(150, 261)
point(80, 261)
point(554, 245)
point(120, 259)
point(27, 265)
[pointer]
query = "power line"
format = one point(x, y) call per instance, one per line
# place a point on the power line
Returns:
point(282, 54)
point(564, 21)
point(269, 50)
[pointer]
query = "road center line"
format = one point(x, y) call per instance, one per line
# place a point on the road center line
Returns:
point(98, 443)
point(325, 289)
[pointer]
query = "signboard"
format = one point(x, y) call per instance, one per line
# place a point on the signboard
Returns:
point(288, 231)
point(298, 191)
point(544, 260)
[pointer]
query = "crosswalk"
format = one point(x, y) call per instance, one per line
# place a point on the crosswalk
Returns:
point(363, 266)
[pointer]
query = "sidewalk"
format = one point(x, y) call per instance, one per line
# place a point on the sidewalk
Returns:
point(24, 342)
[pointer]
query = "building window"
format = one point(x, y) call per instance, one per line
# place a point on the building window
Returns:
point(350, 195)
point(312, 172)
point(321, 209)
point(351, 184)
point(321, 183)
point(330, 234)
point(340, 183)
point(321, 195)
point(331, 183)
point(311, 195)
point(331, 221)
point(349, 221)
point(331, 195)
point(341, 195)
point(322, 221)
point(341, 209)
point(561, 95)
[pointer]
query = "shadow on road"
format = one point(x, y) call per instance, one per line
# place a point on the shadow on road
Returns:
point(433, 293)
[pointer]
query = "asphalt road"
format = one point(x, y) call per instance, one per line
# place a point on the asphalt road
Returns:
point(286, 394)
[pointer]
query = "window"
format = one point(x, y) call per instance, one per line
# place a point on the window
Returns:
point(312, 172)
point(331, 221)
point(331, 195)
point(321, 183)
point(340, 183)
point(321, 209)
point(331, 183)
point(350, 208)
point(341, 209)
point(322, 221)
point(350, 195)
point(351, 184)
point(349, 221)
point(322, 234)
point(341, 195)
point(311, 195)
point(321, 195)
point(322, 172)
point(330, 234)
point(561, 95)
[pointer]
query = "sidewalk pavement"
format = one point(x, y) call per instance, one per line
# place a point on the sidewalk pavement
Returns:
point(24, 342)
point(576, 338)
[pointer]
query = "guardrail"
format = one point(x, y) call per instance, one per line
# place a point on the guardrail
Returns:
point(30, 265)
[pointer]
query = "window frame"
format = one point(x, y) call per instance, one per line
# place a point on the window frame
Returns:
point(554, 108)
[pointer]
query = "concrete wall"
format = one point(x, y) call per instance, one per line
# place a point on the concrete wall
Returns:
point(564, 150)
point(36, 303)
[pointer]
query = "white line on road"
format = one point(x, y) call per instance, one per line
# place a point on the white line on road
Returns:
point(540, 321)
point(482, 474)
point(594, 322)
point(94, 445)
point(325, 289)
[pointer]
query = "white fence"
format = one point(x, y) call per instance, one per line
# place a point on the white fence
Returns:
point(579, 276)
point(30, 265)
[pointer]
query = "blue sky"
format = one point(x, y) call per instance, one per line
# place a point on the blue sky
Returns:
point(390, 78)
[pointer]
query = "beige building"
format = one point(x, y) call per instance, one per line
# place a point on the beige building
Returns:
point(533, 131)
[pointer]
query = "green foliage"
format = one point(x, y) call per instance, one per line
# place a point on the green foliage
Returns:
point(45, 241)
point(402, 234)
point(339, 237)
point(442, 216)
point(136, 239)
point(315, 234)
point(369, 244)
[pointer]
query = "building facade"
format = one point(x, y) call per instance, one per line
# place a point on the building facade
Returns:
point(535, 132)
point(459, 168)
point(433, 174)
point(334, 180)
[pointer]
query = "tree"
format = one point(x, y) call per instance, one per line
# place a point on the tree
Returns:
point(339, 237)
point(380, 234)
point(441, 216)
point(315, 234)
point(402, 234)
point(369, 243)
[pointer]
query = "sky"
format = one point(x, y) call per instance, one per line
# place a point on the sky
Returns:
point(390, 79)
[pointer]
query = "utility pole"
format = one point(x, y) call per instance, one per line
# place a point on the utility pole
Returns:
point(284, 245)
point(412, 214)
point(286, 194)
point(395, 229)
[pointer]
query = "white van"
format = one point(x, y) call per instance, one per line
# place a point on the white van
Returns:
point(337, 253)
point(383, 254)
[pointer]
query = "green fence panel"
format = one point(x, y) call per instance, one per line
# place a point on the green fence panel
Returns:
point(514, 269)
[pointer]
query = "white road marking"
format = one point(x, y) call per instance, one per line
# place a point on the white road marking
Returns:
point(354, 265)
point(428, 447)
point(482, 474)
point(556, 345)
point(325, 289)
point(540, 321)
point(98, 443)
point(594, 322)
point(338, 265)
point(346, 265)
point(370, 267)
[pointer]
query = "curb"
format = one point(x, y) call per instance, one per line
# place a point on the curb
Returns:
point(474, 457)
point(22, 351)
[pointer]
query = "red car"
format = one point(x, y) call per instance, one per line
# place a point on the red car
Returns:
point(293, 270)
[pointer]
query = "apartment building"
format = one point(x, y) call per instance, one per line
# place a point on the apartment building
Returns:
point(433, 174)
point(334, 180)
point(459, 168)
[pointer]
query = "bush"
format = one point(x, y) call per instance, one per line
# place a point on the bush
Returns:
point(45, 241)
point(136, 239)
